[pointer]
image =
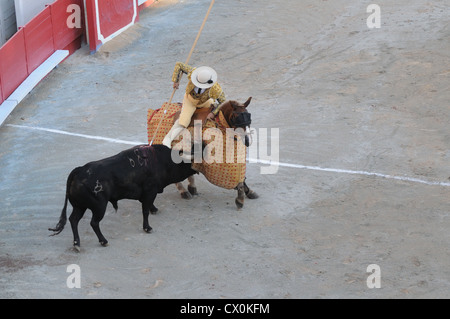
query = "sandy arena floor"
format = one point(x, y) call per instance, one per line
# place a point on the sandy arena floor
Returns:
point(364, 152)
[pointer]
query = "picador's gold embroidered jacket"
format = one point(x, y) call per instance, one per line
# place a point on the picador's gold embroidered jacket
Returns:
point(215, 92)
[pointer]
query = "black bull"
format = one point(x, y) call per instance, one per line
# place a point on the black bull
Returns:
point(138, 173)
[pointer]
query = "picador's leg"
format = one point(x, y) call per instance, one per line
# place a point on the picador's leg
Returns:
point(241, 196)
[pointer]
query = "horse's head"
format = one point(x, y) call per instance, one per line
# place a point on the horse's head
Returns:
point(237, 116)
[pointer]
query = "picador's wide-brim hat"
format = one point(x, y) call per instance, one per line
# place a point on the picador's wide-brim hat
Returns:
point(204, 77)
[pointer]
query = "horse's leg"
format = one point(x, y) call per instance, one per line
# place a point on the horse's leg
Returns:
point(191, 186)
point(183, 192)
point(241, 196)
point(250, 193)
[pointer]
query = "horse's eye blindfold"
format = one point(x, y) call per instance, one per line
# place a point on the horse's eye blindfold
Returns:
point(242, 119)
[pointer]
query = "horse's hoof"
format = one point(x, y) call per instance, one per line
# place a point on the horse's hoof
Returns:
point(252, 195)
point(239, 204)
point(148, 230)
point(186, 195)
point(154, 211)
point(77, 248)
point(192, 190)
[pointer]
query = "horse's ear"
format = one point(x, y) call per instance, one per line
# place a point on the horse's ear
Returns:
point(248, 101)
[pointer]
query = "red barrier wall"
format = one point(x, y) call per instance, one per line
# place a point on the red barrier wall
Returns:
point(1, 92)
point(106, 17)
point(34, 43)
point(48, 32)
point(65, 38)
point(113, 16)
point(39, 39)
point(13, 63)
point(91, 23)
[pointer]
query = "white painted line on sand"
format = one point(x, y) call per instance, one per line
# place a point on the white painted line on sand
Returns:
point(91, 137)
point(252, 160)
point(346, 171)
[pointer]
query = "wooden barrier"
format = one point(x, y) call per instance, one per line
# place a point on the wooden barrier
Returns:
point(13, 63)
point(1, 93)
point(39, 39)
point(66, 38)
point(48, 32)
point(108, 18)
point(34, 43)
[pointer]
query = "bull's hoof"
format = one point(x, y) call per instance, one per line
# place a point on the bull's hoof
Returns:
point(104, 243)
point(76, 247)
point(148, 229)
point(252, 195)
point(192, 190)
point(186, 195)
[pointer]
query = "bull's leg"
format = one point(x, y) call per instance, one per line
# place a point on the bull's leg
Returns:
point(74, 219)
point(183, 192)
point(192, 188)
point(153, 209)
point(147, 207)
point(250, 193)
point(97, 215)
point(241, 196)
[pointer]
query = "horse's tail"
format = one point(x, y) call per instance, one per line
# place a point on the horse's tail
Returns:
point(63, 218)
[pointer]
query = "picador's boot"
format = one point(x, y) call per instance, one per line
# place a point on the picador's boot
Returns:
point(173, 133)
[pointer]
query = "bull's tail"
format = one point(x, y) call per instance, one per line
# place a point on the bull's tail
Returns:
point(63, 218)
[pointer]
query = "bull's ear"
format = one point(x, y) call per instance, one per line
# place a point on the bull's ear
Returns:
point(248, 101)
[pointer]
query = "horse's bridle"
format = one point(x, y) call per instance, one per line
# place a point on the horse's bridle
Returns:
point(241, 119)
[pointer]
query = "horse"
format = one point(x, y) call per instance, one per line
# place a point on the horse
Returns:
point(232, 115)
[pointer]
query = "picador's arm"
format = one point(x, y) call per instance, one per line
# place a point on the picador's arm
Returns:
point(180, 67)
point(217, 93)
